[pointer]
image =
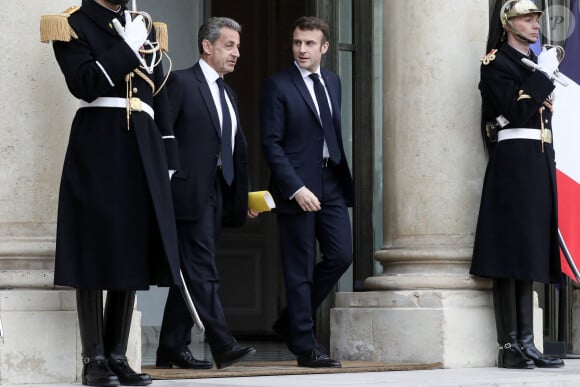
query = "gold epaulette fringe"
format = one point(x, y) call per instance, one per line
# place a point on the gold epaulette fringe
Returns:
point(56, 26)
point(162, 35)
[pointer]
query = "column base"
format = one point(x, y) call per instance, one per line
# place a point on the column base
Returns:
point(41, 337)
point(453, 327)
point(575, 339)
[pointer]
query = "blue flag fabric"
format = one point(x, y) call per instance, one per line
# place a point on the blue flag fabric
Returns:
point(537, 47)
point(571, 63)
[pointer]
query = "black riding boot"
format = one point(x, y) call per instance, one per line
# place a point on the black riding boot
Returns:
point(524, 300)
point(510, 355)
point(96, 371)
point(118, 314)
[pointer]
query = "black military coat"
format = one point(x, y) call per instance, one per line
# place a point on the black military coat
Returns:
point(516, 236)
point(116, 228)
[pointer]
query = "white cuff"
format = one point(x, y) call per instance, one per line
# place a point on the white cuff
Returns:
point(298, 190)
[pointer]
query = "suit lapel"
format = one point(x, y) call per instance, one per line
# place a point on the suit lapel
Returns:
point(333, 92)
point(296, 78)
point(207, 97)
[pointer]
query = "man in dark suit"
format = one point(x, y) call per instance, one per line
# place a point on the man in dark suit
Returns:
point(311, 184)
point(211, 184)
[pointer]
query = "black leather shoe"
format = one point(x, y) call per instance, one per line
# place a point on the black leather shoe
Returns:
point(282, 329)
point(185, 359)
point(317, 359)
point(96, 372)
point(127, 376)
point(539, 359)
point(231, 354)
point(511, 356)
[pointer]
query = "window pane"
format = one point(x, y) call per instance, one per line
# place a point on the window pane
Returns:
point(345, 66)
point(378, 131)
point(345, 21)
point(183, 19)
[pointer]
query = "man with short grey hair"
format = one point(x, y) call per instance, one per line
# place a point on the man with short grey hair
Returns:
point(211, 185)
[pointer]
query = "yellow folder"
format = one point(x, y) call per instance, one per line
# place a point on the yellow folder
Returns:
point(260, 201)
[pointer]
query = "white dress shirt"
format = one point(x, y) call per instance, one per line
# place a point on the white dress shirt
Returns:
point(310, 86)
point(211, 76)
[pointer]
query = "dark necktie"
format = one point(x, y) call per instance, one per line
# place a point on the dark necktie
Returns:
point(326, 119)
point(227, 158)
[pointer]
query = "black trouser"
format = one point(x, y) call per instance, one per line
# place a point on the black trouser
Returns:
point(197, 248)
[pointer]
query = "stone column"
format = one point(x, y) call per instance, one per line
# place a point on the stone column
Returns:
point(425, 307)
point(41, 342)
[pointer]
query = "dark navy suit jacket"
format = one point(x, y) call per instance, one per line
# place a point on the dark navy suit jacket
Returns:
point(292, 137)
point(197, 129)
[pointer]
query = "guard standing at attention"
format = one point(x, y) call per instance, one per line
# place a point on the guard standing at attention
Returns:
point(516, 240)
point(116, 228)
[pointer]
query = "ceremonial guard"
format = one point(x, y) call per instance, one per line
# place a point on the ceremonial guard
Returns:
point(516, 240)
point(116, 228)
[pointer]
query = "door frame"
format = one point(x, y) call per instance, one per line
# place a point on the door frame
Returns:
point(363, 123)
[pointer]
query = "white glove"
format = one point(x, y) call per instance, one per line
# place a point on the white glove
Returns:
point(135, 32)
point(548, 62)
point(171, 172)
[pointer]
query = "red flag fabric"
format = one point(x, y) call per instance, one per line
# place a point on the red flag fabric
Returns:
point(569, 219)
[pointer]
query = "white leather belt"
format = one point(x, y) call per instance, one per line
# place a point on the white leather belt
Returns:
point(115, 102)
point(525, 133)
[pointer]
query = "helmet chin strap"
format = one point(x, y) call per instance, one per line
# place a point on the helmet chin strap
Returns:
point(523, 39)
point(519, 35)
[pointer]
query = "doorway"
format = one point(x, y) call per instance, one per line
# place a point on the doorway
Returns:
point(252, 289)
point(252, 301)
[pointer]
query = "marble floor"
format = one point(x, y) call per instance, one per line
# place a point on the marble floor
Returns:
point(458, 377)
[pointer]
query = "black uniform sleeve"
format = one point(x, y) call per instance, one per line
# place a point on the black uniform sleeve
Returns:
point(503, 93)
point(87, 76)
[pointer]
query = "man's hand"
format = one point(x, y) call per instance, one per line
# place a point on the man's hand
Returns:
point(307, 200)
point(252, 213)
